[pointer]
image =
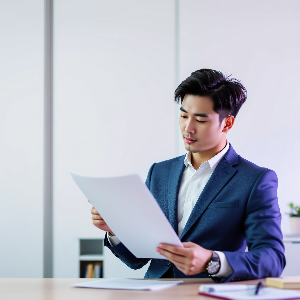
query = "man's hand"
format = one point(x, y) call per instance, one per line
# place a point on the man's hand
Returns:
point(99, 222)
point(190, 260)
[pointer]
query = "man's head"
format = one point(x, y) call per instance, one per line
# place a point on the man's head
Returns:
point(227, 94)
point(210, 102)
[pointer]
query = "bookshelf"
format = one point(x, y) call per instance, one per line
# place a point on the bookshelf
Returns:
point(91, 258)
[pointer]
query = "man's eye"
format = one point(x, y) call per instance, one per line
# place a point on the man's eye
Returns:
point(201, 121)
point(183, 116)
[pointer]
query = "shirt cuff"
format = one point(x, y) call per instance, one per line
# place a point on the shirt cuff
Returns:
point(113, 240)
point(225, 269)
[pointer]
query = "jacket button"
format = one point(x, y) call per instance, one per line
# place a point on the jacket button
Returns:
point(168, 264)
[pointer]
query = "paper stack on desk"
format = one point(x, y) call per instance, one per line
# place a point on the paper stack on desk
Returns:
point(245, 292)
point(127, 284)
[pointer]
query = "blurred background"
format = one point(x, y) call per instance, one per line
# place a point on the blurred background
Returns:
point(116, 65)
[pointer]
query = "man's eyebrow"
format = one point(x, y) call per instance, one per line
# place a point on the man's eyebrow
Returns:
point(197, 115)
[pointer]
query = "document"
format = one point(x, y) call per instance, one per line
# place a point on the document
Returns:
point(244, 292)
point(127, 284)
point(131, 212)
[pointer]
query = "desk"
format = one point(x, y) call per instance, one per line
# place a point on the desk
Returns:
point(59, 289)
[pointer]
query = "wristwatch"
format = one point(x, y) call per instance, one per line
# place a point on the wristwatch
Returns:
point(213, 265)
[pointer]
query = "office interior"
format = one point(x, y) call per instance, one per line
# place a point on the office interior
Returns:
point(115, 67)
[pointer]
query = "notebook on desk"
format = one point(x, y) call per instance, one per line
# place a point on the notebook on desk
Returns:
point(266, 293)
point(289, 282)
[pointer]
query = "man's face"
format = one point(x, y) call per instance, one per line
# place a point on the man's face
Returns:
point(200, 124)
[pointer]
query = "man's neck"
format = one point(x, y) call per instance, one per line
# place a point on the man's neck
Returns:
point(198, 158)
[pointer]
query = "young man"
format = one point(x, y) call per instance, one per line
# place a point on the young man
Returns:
point(217, 202)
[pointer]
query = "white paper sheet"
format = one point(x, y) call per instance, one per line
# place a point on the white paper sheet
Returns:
point(131, 212)
point(127, 284)
point(266, 293)
point(220, 288)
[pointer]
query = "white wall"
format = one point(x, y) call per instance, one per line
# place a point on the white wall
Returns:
point(114, 74)
point(113, 106)
point(257, 42)
point(21, 135)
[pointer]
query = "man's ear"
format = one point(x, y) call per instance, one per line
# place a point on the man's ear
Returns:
point(229, 121)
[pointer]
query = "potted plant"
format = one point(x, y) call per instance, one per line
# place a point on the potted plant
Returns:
point(295, 218)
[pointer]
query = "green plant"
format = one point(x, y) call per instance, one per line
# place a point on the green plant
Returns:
point(295, 210)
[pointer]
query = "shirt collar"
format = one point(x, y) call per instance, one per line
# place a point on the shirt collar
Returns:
point(213, 162)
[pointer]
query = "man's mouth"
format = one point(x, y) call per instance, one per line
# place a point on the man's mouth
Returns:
point(190, 140)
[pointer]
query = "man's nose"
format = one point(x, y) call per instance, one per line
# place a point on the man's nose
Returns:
point(190, 128)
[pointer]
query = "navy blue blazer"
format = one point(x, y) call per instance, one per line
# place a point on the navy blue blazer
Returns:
point(237, 208)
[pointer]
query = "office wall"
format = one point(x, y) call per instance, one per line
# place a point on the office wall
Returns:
point(257, 42)
point(113, 107)
point(114, 75)
point(21, 134)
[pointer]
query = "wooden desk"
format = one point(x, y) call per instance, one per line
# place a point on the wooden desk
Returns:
point(59, 289)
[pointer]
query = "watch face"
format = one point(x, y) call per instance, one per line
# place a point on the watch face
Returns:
point(213, 267)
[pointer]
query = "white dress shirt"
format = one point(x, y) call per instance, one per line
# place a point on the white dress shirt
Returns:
point(192, 184)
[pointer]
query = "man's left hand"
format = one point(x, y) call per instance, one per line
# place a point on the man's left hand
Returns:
point(190, 259)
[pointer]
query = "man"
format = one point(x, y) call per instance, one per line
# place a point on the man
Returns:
point(217, 202)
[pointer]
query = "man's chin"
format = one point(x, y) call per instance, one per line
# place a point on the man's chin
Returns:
point(190, 149)
point(195, 151)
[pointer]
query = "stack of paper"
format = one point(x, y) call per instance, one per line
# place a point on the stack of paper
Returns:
point(241, 292)
point(127, 284)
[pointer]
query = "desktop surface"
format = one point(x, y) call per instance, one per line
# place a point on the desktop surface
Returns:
point(60, 289)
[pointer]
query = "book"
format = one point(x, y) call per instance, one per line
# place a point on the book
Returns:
point(97, 270)
point(289, 282)
point(89, 272)
point(85, 271)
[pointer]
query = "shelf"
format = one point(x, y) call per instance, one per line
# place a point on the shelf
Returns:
point(291, 238)
point(91, 257)
point(90, 247)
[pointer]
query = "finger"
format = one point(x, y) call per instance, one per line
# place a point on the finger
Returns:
point(101, 225)
point(171, 256)
point(185, 268)
point(96, 217)
point(100, 222)
point(174, 249)
point(94, 211)
point(180, 266)
point(177, 261)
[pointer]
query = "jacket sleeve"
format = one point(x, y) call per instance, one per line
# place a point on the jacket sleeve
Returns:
point(121, 251)
point(265, 256)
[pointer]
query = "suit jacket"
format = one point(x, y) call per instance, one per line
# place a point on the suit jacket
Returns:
point(237, 208)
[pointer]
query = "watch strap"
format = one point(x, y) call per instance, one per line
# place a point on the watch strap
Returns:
point(213, 266)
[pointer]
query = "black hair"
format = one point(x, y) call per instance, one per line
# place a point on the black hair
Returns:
point(227, 94)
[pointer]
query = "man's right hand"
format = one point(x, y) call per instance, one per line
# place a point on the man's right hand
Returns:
point(99, 222)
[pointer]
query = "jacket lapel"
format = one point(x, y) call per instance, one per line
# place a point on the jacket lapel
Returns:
point(221, 175)
point(173, 189)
